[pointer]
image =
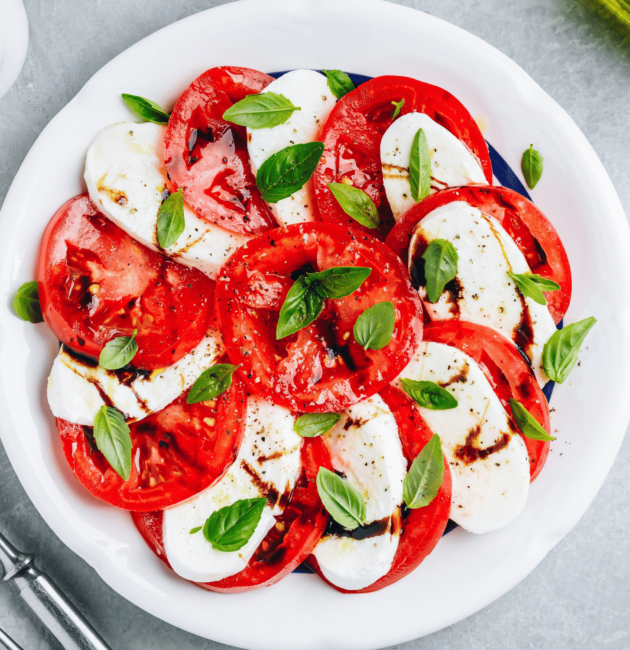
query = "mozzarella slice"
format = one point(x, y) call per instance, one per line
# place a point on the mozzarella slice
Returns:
point(484, 292)
point(452, 163)
point(489, 487)
point(309, 90)
point(77, 387)
point(126, 179)
point(268, 465)
point(365, 447)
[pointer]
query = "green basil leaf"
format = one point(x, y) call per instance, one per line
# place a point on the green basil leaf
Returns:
point(196, 529)
point(301, 307)
point(118, 352)
point(339, 83)
point(528, 287)
point(262, 111)
point(532, 166)
point(425, 475)
point(111, 435)
point(287, 171)
point(26, 303)
point(420, 167)
point(230, 528)
point(527, 423)
point(146, 109)
point(171, 222)
point(560, 353)
point(440, 267)
point(544, 283)
point(312, 425)
point(429, 395)
point(532, 286)
point(399, 105)
point(344, 503)
point(339, 281)
point(375, 326)
point(356, 204)
point(211, 383)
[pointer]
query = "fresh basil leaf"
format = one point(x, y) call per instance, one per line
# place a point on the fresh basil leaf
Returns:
point(312, 425)
point(262, 111)
point(339, 83)
point(532, 166)
point(429, 395)
point(26, 303)
point(425, 475)
point(560, 353)
point(288, 170)
point(171, 222)
point(230, 528)
point(146, 109)
point(301, 307)
point(399, 105)
point(211, 383)
point(420, 167)
point(374, 328)
point(532, 286)
point(356, 204)
point(196, 529)
point(440, 267)
point(111, 435)
point(118, 352)
point(527, 423)
point(339, 281)
point(344, 503)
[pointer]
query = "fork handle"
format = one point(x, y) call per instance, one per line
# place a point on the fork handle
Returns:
point(50, 604)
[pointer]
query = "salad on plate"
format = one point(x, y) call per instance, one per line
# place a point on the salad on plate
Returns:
point(300, 325)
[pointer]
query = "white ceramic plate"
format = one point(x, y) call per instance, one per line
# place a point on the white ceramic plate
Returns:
point(465, 572)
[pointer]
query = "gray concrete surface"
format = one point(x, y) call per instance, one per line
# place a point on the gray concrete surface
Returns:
point(579, 596)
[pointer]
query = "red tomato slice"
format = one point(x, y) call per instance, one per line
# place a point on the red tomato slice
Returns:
point(506, 371)
point(353, 132)
point(524, 222)
point(97, 283)
point(207, 157)
point(286, 545)
point(422, 528)
point(177, 452)
point(321, 368)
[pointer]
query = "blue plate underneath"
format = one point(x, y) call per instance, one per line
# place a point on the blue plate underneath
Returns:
point(507, 178)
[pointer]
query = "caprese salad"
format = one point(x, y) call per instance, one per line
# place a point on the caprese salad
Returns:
point(299, 323)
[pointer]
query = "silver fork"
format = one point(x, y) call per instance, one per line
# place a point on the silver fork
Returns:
point(43, 596)
point(7, 642)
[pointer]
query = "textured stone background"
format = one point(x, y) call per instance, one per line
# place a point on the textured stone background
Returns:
point(579, 596)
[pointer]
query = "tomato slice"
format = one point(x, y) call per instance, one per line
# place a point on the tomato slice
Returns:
point(321, 368)
point(506, 370)
point(176, 452)
point(353, 132)
point(524, 222)
point(97, 283)
point(207, 157)
point(422, 528)
point(286, 545)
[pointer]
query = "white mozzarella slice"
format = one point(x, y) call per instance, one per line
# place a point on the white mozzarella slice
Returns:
point(365, 447)
point(309, 90)
point(486, 295)
point(355, 564)
point(490, 492)
point(77, 388)
point(452, 163)
point(126, 179)
point(268, 465)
